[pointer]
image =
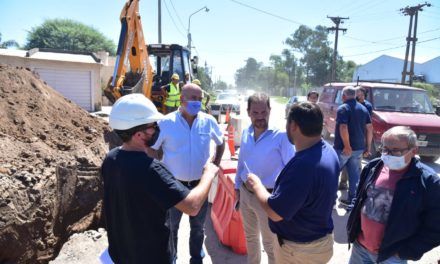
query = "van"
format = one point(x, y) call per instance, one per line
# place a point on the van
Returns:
point(393, 105)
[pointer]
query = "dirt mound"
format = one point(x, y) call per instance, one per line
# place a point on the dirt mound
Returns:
point(51, 151)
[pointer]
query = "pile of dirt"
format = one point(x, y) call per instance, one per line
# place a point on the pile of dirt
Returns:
point(51, 151)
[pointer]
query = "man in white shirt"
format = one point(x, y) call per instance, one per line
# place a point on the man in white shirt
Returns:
point(185, 137)
point(264, 152)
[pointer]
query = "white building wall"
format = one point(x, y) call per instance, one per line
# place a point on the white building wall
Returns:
point(93, 92)
point(389, 69)
point(431, 70)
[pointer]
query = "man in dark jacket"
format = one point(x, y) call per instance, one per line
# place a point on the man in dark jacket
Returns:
point(396, 212)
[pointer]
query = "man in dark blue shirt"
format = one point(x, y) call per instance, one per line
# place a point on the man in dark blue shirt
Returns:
point(300, 207)
point(353, 136)
point(361, 95)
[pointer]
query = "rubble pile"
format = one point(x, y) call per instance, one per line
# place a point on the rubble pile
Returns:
point(50, 153)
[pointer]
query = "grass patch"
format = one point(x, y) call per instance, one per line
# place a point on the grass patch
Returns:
point(280, 99)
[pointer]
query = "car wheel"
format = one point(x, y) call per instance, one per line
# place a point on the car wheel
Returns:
point(429, 158)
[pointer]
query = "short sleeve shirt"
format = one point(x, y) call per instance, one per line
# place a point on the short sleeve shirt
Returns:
point(187, 149)
point(369, 107)
point(138, 191)
point(356, 117)
point(304, 194)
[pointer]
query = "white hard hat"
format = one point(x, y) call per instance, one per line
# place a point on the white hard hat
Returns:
point(133, 110)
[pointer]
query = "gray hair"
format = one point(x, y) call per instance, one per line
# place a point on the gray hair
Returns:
point(403, 133)
point(349, 92)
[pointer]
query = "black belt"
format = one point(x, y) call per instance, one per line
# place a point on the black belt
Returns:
point(281, 240)
point(270, 190)
point(190, 184)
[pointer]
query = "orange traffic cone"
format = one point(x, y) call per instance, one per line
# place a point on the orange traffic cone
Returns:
point(231, 143)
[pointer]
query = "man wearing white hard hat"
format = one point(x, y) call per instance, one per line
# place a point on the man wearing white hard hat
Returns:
point(139, 190)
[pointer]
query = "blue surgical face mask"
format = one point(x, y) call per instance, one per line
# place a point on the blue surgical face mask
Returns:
point(394, 162)
point(193, 107)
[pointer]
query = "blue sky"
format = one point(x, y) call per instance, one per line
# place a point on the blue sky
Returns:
point(234, 30)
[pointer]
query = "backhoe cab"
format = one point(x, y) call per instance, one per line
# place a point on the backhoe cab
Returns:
point(167, 60)
point(134, 72)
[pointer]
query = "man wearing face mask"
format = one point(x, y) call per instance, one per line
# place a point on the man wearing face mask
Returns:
point(405, 225)
point(185, 139)
point(138, 191)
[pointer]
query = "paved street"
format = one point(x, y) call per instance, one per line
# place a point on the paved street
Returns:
point(218, 254)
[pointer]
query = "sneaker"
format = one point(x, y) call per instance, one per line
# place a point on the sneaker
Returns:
point(345, 202)
point(343, 186)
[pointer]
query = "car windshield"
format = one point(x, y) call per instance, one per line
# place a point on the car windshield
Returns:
point(401, 100)
point(225, 96)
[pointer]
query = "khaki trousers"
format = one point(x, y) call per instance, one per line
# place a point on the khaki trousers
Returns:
point(317, 252)
point(255, 221)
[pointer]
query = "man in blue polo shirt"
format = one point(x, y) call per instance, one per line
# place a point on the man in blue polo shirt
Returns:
point(264, 151)
point(300, 207)
point(361, 95)
point(353, 136)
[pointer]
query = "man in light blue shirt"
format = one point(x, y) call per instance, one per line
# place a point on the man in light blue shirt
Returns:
point(185, 137)
point(264, 151)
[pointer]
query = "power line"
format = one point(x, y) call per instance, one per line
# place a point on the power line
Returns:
point(384, 40)
point(172, 19)
point(267, 13)
point(177, 14)
point(397, 47)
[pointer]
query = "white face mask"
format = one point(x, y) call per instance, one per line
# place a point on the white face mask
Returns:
point(394, 162)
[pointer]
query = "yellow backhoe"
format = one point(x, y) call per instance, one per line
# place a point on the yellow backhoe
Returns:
point(140, 68)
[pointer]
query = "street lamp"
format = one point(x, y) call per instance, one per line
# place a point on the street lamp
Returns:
point(189, 25)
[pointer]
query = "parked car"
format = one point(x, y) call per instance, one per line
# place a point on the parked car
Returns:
point(393, 105)
point(223, 102)
point(294, 100)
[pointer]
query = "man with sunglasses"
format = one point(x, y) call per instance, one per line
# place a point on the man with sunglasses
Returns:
point(185, 139)
point(395, 216)
point(138, 191)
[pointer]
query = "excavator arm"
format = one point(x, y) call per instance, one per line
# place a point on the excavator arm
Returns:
point(133, 72)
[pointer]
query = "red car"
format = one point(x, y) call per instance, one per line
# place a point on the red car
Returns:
point(393, 105)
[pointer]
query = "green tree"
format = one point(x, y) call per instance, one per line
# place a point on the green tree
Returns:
point(203, 75)
point(345, 70)
point(246, 77)
point(317, 54)
point(8, 43)
point(220, 85)
point(70, 35)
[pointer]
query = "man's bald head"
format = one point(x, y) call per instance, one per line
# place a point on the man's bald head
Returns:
point(191, 92)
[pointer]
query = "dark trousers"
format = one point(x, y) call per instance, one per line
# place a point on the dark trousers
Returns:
point(197, 234)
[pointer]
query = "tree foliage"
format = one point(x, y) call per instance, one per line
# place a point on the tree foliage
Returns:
point(246, 77)
point(204, 76)
point(312, 68)
point(7, 43)
point(70, 35)
point(317, 54)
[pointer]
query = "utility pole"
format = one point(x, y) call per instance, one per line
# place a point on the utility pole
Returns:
point(337, 21)
point(159, 17)
point(413, 12)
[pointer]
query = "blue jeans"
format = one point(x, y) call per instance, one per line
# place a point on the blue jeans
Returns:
point(353, 169)
point(360, 255)
point(197, 233)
